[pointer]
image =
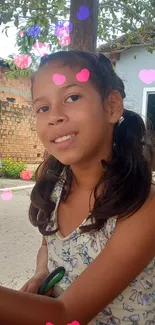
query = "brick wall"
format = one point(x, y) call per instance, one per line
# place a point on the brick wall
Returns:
point(18, 89)
point(18, 138)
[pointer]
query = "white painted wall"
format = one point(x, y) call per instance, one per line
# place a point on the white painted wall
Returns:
point(128, 69)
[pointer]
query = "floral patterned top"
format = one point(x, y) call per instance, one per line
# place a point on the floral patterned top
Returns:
point(135, 305)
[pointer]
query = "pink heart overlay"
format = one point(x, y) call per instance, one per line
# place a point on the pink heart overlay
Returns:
point(58, 79)
point(147, 76)
point(83, 75)
point(73, 323)
point(6, 195)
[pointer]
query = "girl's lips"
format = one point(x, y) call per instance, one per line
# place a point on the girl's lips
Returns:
point(61, 135)
point(64, 144)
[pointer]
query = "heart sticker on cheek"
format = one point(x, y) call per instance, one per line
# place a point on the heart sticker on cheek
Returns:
point(59, 79)
point(83, 75)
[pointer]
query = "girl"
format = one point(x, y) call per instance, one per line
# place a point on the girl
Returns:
point(93, 201)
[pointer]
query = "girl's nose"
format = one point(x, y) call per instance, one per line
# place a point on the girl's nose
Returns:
point(55, 120)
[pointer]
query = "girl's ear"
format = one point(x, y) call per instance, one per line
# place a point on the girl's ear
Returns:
point(115, 106)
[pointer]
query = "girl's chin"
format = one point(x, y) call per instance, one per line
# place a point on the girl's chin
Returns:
point(68, 160)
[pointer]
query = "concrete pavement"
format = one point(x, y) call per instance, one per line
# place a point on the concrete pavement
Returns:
point(19, 240)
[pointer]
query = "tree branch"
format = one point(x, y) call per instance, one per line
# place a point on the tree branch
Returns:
point(27, 8)
point(127, 47)
point(123, 6)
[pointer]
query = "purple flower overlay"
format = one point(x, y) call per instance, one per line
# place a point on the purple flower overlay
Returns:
point(34, 31)
point(64, 24)
point(83, 13)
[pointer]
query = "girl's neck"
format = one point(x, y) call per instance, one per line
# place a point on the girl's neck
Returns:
point(87, 177)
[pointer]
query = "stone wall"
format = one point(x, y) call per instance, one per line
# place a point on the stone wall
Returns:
point(17, 90)
point(18, 138)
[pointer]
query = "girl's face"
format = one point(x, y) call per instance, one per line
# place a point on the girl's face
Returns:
point(72, 121)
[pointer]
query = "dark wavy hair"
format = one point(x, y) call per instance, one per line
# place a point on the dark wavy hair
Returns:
point(126, 178)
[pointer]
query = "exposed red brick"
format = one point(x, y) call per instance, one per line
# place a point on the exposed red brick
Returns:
point(16, 139)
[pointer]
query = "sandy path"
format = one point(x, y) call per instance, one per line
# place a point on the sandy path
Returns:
point(19, 240)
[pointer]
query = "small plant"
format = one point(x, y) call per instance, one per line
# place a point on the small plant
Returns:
point(1, 173)
point(12, 169)
point(34, 176)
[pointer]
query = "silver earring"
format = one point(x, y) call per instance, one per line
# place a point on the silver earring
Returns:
point(120, 120)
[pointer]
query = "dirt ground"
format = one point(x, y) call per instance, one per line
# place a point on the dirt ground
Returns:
point(19, 240)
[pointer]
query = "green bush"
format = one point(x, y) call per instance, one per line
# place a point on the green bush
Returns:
point(1, 172)
point(11, 169)
point(33, 177)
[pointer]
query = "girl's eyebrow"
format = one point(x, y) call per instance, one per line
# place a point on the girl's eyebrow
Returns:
point(71, 85)
point(65, 87)
point(38, 100)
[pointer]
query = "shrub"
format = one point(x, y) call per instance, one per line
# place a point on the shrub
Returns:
point(1, 172)
point(34, 176)
point(12, 169)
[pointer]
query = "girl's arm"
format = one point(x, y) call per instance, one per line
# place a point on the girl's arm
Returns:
point(42, 259)
point(33, 284)
point(127, 253)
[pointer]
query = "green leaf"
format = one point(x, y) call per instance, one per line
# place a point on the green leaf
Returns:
point(150, 50)
point(16, 20)
point(118, 45)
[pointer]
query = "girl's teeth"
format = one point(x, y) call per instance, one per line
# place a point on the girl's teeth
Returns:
point(67, 137)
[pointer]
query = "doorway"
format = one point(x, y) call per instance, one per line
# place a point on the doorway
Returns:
point(151, 110)
point(148, 113)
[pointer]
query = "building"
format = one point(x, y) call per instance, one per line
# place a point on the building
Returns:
point(18, 138)
point(14, 90)
point(136, 66)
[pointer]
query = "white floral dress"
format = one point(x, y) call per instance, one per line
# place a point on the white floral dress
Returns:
point(135, 305)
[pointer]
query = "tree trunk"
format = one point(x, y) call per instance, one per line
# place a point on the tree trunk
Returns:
point(84, 33)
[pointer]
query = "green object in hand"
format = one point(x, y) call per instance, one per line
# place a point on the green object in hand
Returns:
point(51, 280)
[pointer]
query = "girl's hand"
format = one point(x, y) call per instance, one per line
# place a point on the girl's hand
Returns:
point(34, 283)
point(41, 272)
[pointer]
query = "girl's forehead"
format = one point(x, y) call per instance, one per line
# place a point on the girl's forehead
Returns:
point(57, 76)
point(60, 75)
point(60, 68)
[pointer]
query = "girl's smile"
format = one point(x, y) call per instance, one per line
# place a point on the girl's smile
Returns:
point(66, 141)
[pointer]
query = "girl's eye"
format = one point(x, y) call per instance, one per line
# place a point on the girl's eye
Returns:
point(44, 108)
point(72, 98)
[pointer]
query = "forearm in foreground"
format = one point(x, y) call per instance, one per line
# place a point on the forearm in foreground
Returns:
point(28, 309)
